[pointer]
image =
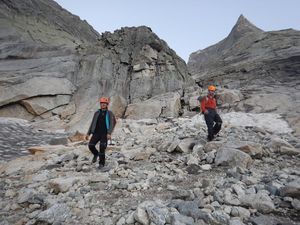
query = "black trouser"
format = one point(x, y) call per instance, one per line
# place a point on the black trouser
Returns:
point(103, 144)
point(213, 122)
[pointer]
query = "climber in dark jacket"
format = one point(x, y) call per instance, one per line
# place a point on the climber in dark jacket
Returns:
point(101, 129)
point(209, 109)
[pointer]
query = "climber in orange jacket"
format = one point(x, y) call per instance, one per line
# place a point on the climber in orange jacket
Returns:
point(212, 118)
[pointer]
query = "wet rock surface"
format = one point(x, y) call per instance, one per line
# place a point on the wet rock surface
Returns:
point(17, 135)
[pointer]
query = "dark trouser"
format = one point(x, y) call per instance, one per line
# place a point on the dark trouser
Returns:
point(103, 144)
point(213, 122)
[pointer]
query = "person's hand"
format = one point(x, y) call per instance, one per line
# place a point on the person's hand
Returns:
point(87, 137)
point(108, 137)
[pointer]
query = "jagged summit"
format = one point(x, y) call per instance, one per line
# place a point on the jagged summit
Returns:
point(244, 23)
point(243, 31)
point(242, 27)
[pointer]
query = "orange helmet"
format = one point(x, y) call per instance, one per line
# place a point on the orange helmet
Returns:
point(104, 100)
point(212, 88)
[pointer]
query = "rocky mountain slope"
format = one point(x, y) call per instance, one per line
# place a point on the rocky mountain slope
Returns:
point(161, 172)
point(263, 66)
point(54, 67)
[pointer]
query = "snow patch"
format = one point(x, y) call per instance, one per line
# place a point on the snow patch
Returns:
point(268, 121)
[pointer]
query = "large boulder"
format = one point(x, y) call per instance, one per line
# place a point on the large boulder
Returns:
point(166, 105)
point(232, 158)
point(37, 86)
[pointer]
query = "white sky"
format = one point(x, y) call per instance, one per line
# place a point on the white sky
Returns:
point(186, 25)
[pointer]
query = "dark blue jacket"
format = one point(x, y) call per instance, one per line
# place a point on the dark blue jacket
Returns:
point(110, 121)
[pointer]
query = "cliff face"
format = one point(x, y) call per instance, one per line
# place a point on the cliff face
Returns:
point(54, 66)
point(264, 66)
point(44, 22)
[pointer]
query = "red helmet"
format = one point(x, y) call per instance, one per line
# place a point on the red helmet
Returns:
point(212, 88)
point(104, 100)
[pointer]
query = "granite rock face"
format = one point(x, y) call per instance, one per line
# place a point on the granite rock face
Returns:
point(263, 66)
point(53, 65)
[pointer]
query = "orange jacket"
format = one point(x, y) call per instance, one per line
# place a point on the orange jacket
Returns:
point(208, 102)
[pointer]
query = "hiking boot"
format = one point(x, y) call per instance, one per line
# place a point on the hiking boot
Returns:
point(95, 158)
point(100, 166)
point(210, 137)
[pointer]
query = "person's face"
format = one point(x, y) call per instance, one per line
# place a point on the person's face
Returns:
point(103, 105)
point(212, 93)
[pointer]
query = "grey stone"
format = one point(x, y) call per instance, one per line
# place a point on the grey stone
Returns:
point(158, 215)
point(260, 201)
point(178, 219)
point(40, 105)
point(57, 213)
point(270, 220)
point(230, 198)
point(236, 221)
point(232, 157)
point(30, 196)
point(296, 204)
point(292, 189)
point(185, 145)
point(240, 212)
point(193, 169)
point(62, 184)
point(150, 211)
point(42, 86)
point(221, 217)
point(59, 141)
point(165, 105)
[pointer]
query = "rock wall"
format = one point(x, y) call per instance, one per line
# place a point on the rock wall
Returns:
point(54, 66)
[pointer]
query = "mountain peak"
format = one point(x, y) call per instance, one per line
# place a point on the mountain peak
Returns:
point(243, 25)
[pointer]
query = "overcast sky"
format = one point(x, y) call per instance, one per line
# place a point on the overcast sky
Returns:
point(186, 25)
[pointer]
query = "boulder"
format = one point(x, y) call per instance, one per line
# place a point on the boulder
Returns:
point(36, 86)
point(228, 97)
point(232, 158)
point(56, 214)
point(151, 212)
point(16, 111)
point(291, 189)
point(62, 184)
point(118, 105)
point(260, 201)
point(166, 105)
point(40, 105)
